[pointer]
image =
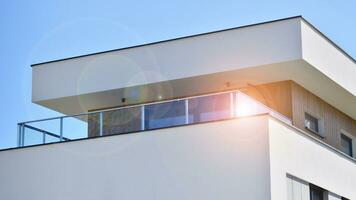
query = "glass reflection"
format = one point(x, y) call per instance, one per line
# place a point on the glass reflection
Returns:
point(165, 114)
point(209, 108)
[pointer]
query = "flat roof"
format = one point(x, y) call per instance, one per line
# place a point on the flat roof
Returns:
point(201, 34)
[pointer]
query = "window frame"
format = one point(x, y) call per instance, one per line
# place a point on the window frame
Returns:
point(315, 188)
point(320, 125)
point(353, 141)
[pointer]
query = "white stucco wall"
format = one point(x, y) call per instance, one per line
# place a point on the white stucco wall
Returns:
point(328, 59)
point(248, 158)
point(294, 153)
point(220, 160)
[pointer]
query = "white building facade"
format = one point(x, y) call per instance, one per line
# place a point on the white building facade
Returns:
point(265, 111)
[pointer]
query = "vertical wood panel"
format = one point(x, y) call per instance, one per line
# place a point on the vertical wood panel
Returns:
point(334, 120)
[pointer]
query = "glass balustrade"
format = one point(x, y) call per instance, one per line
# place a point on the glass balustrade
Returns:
point(164, 114)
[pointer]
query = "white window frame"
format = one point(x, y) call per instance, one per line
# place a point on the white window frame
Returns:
point(353, 140)
point(320, 120)
point(303, 190)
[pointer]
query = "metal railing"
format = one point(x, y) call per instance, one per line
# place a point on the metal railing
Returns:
point(162, 114)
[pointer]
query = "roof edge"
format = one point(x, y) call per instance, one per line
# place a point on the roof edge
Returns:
point(169, 40)
point(328, 39)
point(207, 33)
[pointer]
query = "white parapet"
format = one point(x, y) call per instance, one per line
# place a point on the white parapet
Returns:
point(249, 158)
point(208, 161)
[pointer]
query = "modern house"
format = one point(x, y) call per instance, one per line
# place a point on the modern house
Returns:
point(260, 112)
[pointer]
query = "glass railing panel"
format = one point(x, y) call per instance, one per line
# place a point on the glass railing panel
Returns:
point(165, 114)
point(51, 139)
point(94, 125)
point(123, 120)
point(75, 127)
point(143, 117)
point(47, 128)
point(210, 108)
point(33, 136)
point(247, 106)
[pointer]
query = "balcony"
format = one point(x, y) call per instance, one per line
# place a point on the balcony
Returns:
point(143, 117)
point(217, 160)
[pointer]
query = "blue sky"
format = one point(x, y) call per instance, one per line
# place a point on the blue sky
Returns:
point(37, 31)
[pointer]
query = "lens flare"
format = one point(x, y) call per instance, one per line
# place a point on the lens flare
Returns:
point(246, 106)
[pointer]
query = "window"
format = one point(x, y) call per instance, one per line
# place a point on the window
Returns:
point(165, 114)
point(313, 124)
point(296, 188)
point(346, 144)
point(316, 193)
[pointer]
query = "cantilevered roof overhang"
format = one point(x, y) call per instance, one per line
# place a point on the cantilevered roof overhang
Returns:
point(286, 49)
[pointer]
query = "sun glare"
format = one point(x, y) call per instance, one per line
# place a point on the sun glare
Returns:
point(246, 106)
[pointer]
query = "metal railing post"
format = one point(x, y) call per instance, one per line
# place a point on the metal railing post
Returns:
point(186, 111)
point(18, 135)
point(22, 135)
point(61, 129)
point(101, 124)
point(43, 138)
point(232, 104)
point(143, 117)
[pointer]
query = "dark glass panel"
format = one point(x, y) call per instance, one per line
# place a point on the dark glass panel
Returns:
point(165, 114)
